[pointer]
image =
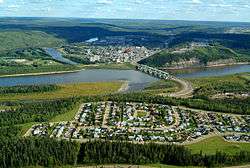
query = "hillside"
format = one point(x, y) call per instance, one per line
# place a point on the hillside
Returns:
point(24, 39)
point(190, 56)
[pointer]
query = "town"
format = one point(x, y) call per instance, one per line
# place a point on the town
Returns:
point(142, 122)
point(107, 54)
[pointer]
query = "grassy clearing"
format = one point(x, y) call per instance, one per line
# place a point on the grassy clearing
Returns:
point(68, 116)
point(25, 127)
point(246, 76)
point(4, 107)
point(211, 145)
point(163, 86)
point(210, 86)
point(237, 78)
point(67, 90)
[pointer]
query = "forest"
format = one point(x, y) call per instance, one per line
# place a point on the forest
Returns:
point(18, 152)
point(28, 89)
point(48, 152)
point(40, 111)
point(204, 55)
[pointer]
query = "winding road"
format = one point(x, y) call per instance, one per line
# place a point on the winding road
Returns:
point(186, 89)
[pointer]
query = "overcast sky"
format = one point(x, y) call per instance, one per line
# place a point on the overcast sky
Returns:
point(215, 10)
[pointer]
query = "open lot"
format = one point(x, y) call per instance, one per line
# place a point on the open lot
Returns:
point(211, 145)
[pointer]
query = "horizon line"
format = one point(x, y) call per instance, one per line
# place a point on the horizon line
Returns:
point(58, 17)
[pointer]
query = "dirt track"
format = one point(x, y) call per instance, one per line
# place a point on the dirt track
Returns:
point(186, 89)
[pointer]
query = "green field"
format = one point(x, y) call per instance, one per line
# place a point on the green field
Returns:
point(246, 76)
point(163, 86)
point(237, 78)
point(209, 86)
point(211, 145)
point(67, 90)
point(68, 116)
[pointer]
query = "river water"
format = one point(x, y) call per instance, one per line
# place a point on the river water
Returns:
point(58, 56)
point(215, 71)
point(137, 80)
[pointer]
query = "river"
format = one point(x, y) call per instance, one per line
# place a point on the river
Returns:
point(58, 56)
point(215, 71)
point(136, 80)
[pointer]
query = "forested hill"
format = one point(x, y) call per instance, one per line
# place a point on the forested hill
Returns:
point(186, 56)
point(12, 40)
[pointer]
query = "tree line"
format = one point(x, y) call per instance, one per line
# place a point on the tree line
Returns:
point(28, 89)
point(40, 111)
point(226, 106)
point(50, 152)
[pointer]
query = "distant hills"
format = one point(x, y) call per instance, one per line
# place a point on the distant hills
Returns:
point(45, 32)
point(186, 56)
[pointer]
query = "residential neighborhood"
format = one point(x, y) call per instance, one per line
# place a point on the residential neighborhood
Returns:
point(142, 122)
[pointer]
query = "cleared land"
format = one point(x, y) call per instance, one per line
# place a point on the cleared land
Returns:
point(67, 90)
point(211, 145)
point(68, 116)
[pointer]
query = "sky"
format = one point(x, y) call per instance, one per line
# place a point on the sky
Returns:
point(205, 10)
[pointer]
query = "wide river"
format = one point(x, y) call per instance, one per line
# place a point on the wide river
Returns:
point(137, 80)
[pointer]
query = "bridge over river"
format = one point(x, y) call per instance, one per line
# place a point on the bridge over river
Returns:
point(186, 87)
point(153, 71)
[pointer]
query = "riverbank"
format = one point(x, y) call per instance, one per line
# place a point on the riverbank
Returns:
point(112, 66)
point(207, 66)
point(124, 87)
point(67, 91)
point(40, 73)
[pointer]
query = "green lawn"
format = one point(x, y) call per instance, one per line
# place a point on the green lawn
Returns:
point(211, 145)
point(68, 116)
point(67, 90)
point(25, 127)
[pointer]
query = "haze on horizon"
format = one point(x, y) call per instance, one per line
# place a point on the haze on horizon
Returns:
point(201, 10)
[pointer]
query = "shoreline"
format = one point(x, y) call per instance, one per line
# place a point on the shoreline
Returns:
point(40, 73)
point(207, 66)
point(124, 87)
